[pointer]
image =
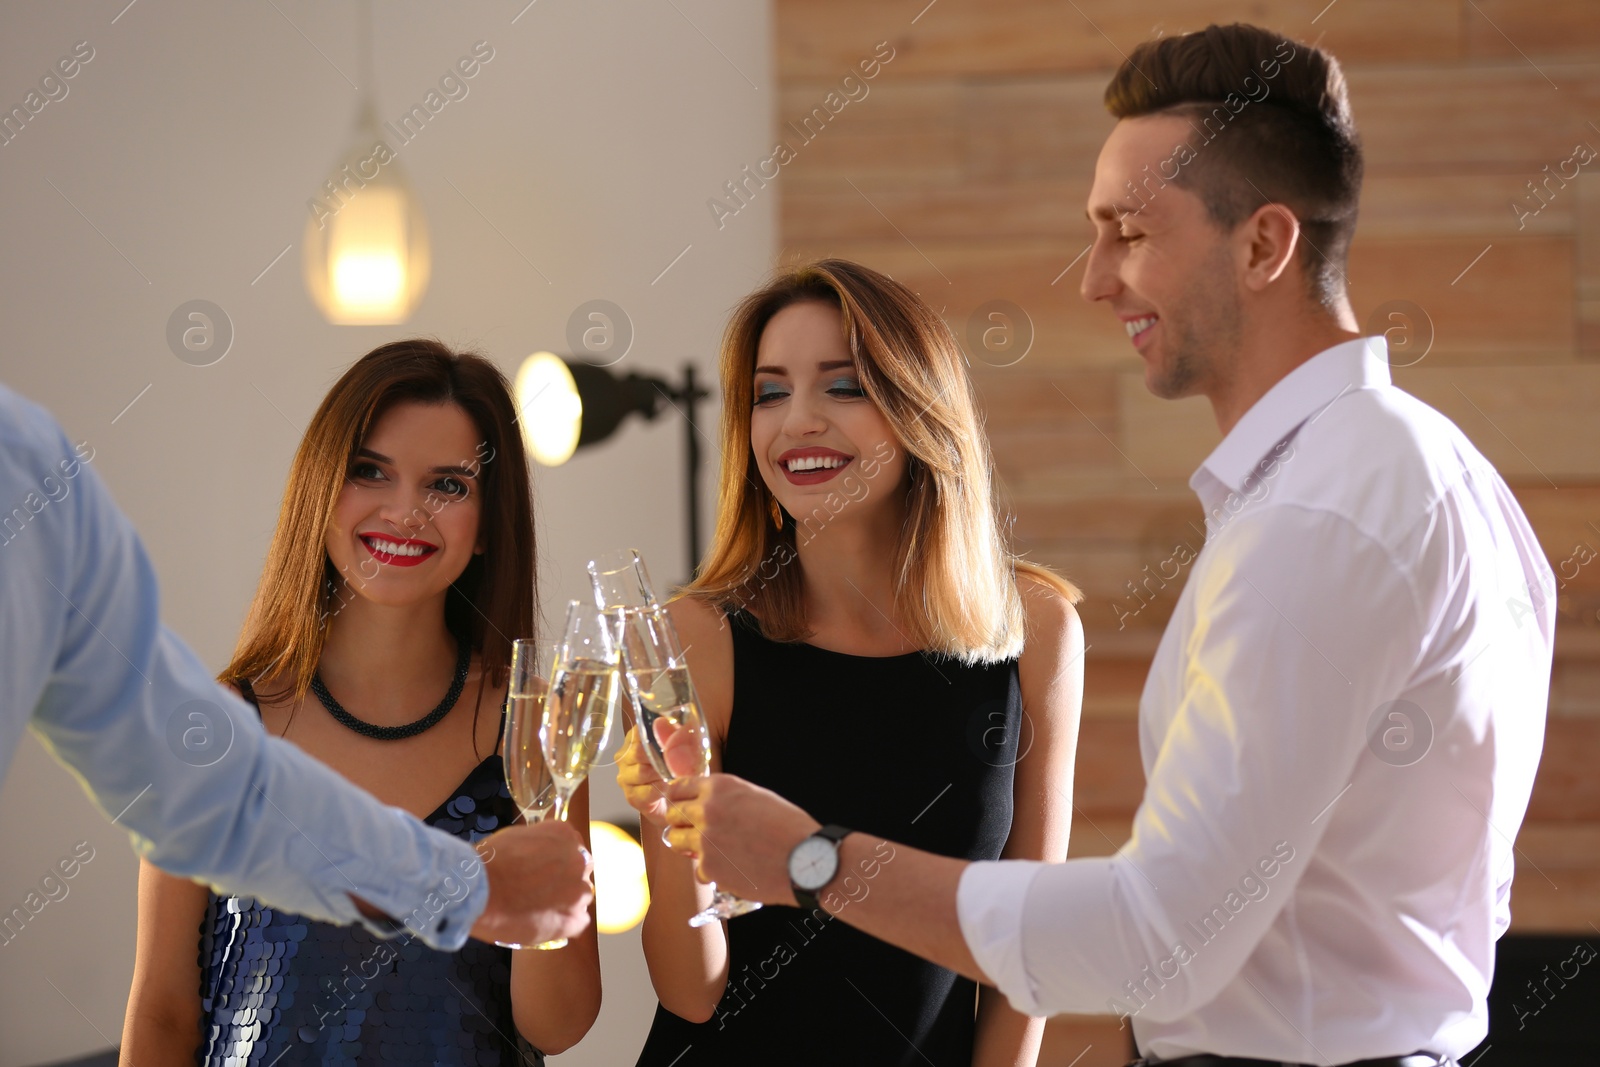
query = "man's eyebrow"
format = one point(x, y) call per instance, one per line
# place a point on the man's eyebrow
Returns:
point(1111, 212)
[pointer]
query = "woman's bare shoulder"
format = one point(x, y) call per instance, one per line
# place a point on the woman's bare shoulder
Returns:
point(271, 698)
point(698, 617)
point(1054, 628)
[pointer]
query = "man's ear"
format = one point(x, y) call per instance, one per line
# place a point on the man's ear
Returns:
point(1268, 241)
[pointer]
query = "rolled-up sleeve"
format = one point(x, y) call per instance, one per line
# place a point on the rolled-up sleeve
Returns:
point(1274, 687)
point(989, 904)
point(163, 750)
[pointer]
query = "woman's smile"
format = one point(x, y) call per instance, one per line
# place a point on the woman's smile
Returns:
point(812, 466)
point(398, 551)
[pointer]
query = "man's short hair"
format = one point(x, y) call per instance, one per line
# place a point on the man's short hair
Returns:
point(1272, 125)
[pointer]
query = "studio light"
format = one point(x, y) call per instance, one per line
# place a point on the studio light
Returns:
point(551, 409)
point(567, 404)
point(621, 890)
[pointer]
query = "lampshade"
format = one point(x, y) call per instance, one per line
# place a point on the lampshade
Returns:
point(621, 890)
point(551, 410)
point(566, 405)
point(366, 242)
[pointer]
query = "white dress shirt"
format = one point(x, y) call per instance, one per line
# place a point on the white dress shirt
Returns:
point(1339, 735)
point(165, 751)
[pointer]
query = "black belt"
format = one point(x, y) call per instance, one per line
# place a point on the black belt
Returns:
point(1416, 1059)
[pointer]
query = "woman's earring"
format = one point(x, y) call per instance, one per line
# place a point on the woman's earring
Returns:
point(777, 512)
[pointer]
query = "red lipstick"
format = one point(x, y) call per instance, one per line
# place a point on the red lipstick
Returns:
point(818, 465)
point(413, 551)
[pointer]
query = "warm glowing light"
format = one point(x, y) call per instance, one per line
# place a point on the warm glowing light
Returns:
point(366, 244)
point(552, 412)
point(621, 891)
point(369, 282)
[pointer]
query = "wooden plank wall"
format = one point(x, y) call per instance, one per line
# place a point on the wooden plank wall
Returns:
point(963, 172)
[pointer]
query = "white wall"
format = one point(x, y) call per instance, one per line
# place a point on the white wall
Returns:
point(188, 147)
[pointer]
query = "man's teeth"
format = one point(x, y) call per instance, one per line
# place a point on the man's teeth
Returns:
point(813, 463)
point(390, 548)
point(1138, 326)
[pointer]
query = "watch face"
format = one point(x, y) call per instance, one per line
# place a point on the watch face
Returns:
point(813, 863)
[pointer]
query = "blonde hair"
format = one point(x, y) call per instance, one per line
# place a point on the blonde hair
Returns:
point(955, 575)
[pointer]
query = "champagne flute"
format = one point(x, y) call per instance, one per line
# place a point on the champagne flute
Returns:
point(582, 701)
point(528, 777)
point(661, 695)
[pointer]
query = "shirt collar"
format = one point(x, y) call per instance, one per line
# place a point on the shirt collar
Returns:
point(1300, 394)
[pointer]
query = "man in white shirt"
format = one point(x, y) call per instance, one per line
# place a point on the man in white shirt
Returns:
point(1343, 719)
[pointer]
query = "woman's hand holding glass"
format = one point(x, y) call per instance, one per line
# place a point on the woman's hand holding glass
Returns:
point(669, 727)
point(642, 784)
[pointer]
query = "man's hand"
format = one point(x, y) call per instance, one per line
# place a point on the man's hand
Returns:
point(540, 884)
point(741, 833)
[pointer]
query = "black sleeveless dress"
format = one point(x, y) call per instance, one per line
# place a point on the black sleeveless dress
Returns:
point(278, 988)
point(916, 749)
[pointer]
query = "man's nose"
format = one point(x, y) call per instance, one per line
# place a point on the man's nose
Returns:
point(1100, 281)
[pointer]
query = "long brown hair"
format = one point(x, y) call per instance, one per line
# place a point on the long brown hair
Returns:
point(488, 606)
point(955, 574)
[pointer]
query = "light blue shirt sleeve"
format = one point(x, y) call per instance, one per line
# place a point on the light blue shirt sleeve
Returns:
point(163, 750)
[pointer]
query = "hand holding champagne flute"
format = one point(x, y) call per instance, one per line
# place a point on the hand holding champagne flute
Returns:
point(560, 706)
point(668, 723)
point(528, 776)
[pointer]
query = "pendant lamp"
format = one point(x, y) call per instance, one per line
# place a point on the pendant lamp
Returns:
point(366, 243)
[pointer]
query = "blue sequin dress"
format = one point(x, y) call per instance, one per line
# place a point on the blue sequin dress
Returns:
point(279, 989)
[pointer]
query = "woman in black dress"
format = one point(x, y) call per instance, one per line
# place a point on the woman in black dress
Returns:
point(401, 569)
point(861, 590)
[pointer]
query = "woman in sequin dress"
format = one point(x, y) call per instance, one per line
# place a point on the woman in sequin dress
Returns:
point(402, 564)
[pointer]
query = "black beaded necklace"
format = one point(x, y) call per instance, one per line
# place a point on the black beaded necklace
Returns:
point(410, 729)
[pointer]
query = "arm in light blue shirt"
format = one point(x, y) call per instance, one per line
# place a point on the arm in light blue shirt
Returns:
point(165, 751)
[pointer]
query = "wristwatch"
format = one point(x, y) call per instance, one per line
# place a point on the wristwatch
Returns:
point(813, 863)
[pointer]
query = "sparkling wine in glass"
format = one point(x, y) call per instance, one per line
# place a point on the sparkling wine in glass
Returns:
point(582, 701)
point(661, 695)
point(528, 777)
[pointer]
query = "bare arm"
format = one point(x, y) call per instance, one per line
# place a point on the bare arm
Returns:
point(1051, 674)
point(911, 899)
point(688, 967)
point(162, 1024)
point(555, 994)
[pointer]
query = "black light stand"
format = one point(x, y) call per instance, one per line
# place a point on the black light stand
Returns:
point(608, 399)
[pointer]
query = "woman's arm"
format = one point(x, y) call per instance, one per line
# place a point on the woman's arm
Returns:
point(688, 967)
point(1051, 676)
point(555, 994)
point(163, 1020)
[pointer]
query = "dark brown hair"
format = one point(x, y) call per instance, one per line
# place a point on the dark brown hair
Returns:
point(488, 606)
point(955, 573)
point(1283, 114)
